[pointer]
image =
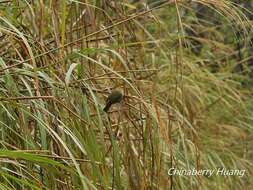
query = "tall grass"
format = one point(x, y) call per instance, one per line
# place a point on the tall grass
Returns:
point(185, 105)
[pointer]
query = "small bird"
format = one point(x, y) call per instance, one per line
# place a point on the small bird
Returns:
point(115, 97)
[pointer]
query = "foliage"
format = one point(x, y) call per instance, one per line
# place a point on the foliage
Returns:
point(184, 68)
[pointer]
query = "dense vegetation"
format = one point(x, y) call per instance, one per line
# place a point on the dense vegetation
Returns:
point(184, 67)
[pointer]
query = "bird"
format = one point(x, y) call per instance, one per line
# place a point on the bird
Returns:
point(114, 97)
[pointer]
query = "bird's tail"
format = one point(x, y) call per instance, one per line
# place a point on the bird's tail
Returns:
point(107, 107)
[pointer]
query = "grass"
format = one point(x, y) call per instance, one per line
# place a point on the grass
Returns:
point(186, 105)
